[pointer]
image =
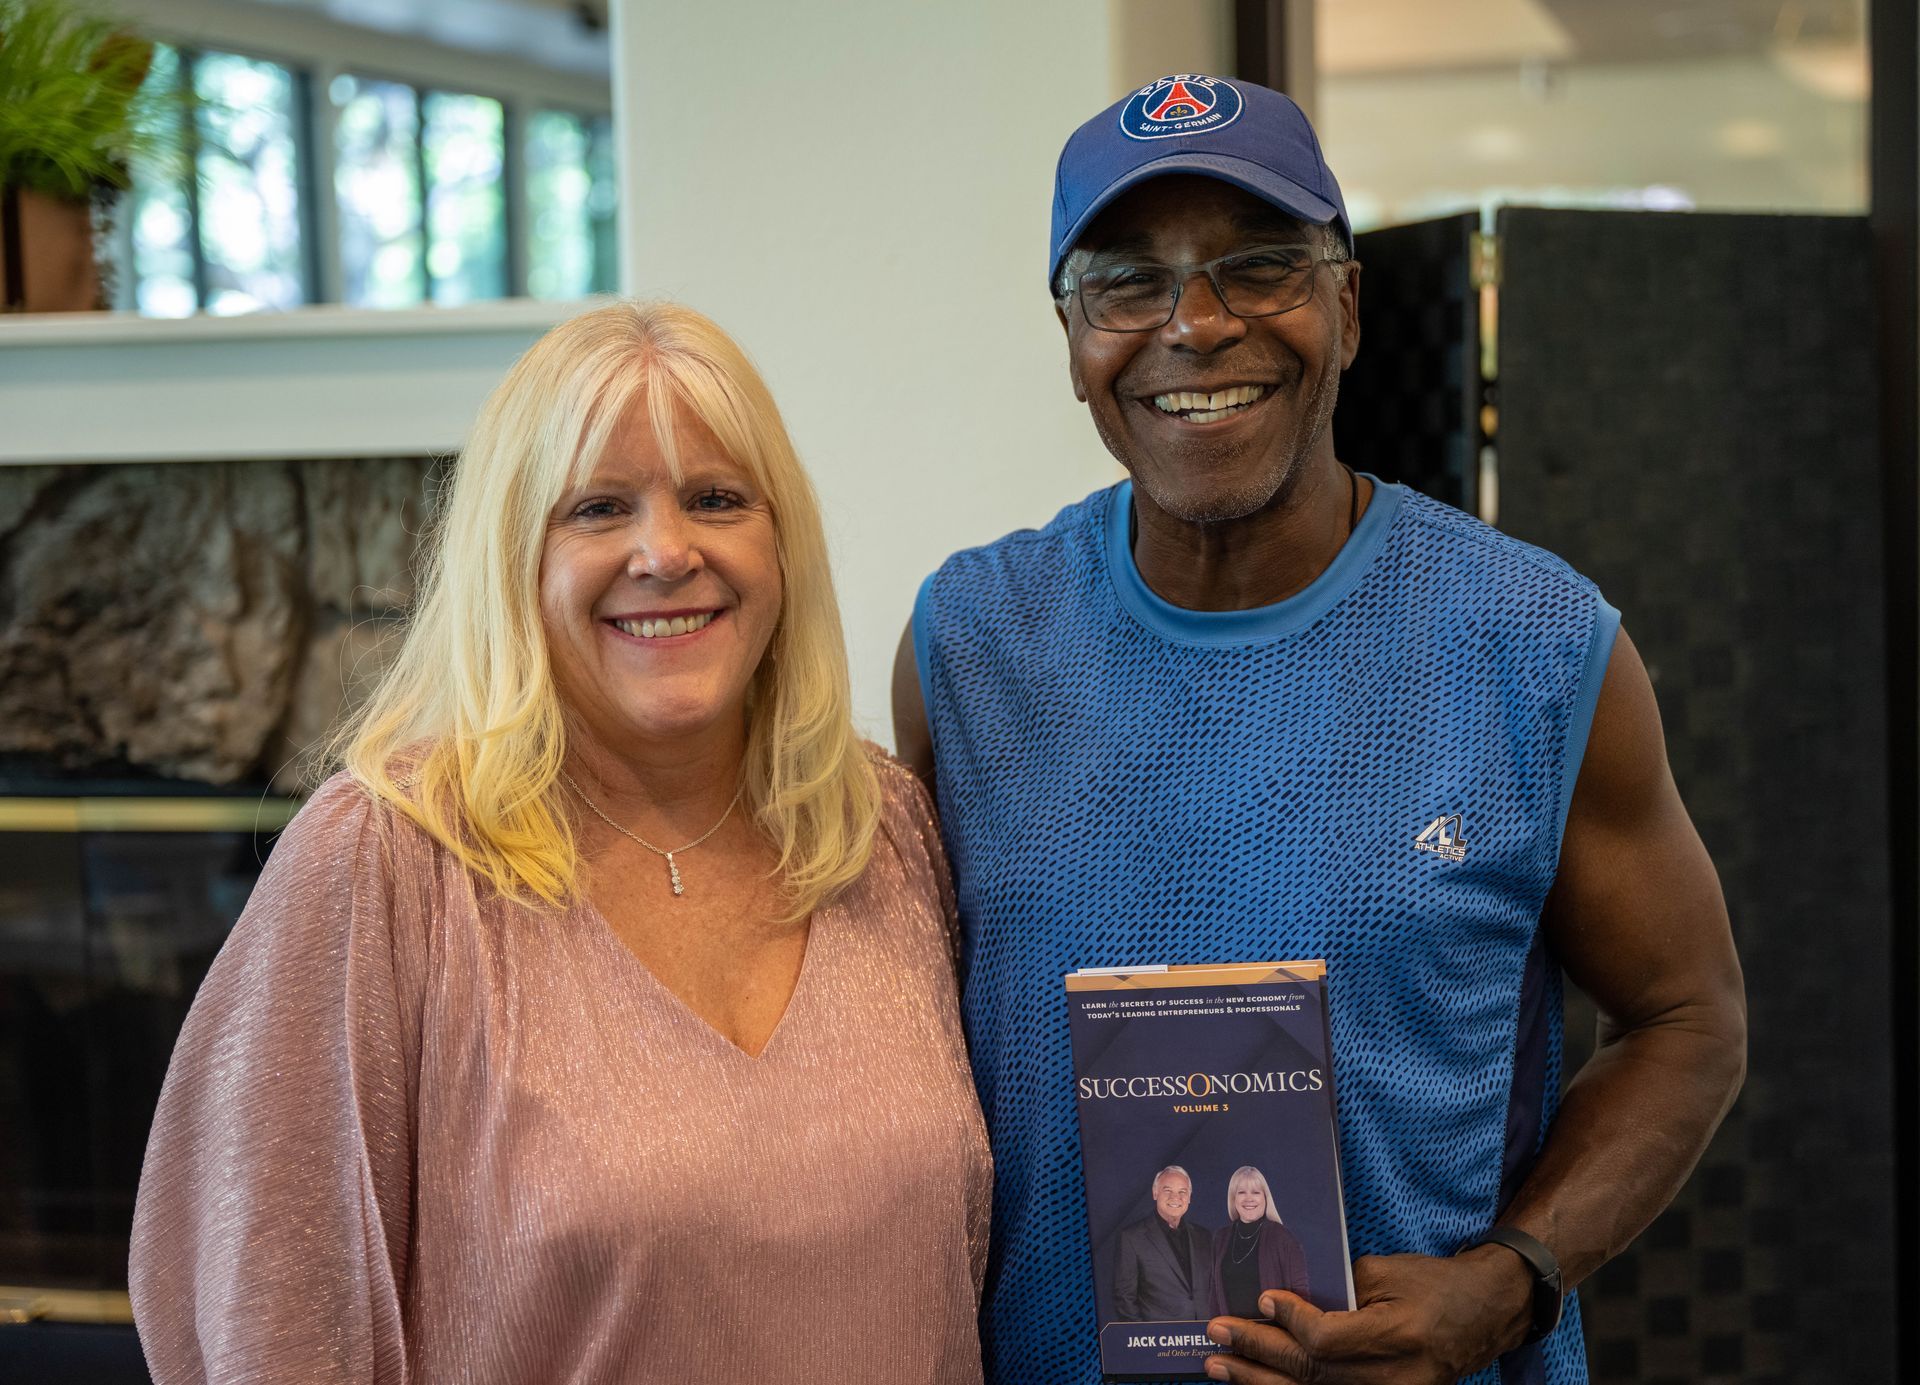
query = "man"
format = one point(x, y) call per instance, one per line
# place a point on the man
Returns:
point(1162, 1263)
point(1248, 706)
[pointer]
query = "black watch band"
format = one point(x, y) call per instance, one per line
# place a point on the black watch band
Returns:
point(1548, 1294)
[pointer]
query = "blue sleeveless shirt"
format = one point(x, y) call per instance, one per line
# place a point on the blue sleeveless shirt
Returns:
point(1123, 781)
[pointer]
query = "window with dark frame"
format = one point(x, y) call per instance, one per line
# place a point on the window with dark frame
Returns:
point(421, 181)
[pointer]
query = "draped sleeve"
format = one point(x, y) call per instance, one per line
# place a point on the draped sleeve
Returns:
point(910, 821)
point(270, 1237)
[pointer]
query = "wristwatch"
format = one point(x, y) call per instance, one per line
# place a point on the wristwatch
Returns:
point(1548, 1294)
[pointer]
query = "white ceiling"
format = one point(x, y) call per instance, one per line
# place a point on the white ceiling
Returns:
point(569, 35)
point(1352, 36)
point(1722, 132)
point(1380, 36)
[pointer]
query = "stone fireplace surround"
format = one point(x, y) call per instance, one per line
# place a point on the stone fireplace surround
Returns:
point(174, 638)
point(205, 622)
point(208, 531)
point(207, 527)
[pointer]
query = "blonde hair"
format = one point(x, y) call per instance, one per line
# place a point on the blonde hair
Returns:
point(1244, 1177)
point(465, 733)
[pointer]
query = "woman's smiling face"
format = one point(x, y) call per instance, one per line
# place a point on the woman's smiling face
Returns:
point(659, 597)
point(1249, 1203)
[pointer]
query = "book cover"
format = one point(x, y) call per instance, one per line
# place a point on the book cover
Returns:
point(1208, 1146)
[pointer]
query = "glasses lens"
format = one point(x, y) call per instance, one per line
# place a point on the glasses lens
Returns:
point(1273, 279)
point(1127, 298)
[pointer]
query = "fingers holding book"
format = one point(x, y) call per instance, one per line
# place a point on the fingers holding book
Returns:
point(1421, 1320)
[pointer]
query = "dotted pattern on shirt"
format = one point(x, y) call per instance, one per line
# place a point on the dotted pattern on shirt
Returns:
point(1112, 797)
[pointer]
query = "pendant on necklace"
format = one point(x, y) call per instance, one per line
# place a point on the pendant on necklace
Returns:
point(674, 871)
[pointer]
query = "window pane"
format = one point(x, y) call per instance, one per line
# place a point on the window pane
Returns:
point(603, 204)
point(155, 218)
point(559, 221)
point(249, 184)
point(466, 211)
point(377, 183)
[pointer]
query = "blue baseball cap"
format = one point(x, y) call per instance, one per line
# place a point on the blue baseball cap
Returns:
point(1243, 134)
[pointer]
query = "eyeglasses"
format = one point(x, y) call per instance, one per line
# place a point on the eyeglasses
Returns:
point(1140, 296)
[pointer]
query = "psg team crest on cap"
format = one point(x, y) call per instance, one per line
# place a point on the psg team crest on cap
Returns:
point(1188, 104)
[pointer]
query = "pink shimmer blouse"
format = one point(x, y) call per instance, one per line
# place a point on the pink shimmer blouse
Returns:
point(414, 1133)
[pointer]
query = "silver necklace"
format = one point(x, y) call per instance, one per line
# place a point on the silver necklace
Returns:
point(1252, 1240)
point(673, 870)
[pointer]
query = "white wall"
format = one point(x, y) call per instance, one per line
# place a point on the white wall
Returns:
point(859, 192)
point(1150, 38)
point(113, 387)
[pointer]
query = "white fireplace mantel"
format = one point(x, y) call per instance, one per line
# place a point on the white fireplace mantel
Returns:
point(314, 382)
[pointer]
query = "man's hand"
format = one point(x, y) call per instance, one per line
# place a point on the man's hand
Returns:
point(1421, 1321)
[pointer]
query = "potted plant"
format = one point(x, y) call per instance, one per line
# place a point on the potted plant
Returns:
point(73, 117)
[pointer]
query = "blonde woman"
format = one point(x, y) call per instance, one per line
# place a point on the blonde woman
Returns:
point(1254, 1251)
point(598, 1023)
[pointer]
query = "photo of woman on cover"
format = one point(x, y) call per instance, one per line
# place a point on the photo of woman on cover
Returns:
point(1254, 1251)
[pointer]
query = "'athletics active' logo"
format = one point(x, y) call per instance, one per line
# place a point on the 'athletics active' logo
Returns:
point(1187, 104)
point(1442, 838)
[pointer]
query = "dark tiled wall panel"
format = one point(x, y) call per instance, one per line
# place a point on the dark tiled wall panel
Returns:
point(1409, 404)
point(1687, 415)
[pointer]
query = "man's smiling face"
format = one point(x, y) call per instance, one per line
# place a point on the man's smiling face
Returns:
point(1231, 456)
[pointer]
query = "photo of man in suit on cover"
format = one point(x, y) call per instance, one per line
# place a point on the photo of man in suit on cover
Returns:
point(1164, 1270)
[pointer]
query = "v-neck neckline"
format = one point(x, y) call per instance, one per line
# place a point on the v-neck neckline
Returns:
point(818, 931)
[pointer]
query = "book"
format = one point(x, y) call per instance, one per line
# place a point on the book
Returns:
point(1209, 1152)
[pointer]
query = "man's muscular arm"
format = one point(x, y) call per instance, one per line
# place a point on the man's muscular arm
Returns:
point(1637, 919)
point(912, 741)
